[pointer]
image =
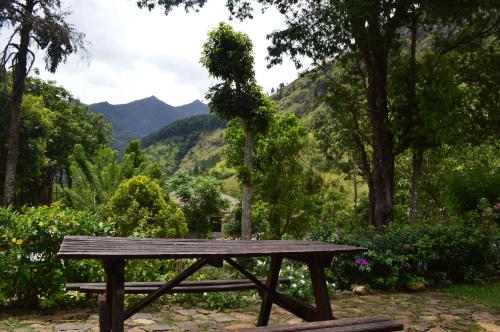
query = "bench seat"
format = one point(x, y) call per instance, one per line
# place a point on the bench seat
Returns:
point(360, 324)
point(184, 287)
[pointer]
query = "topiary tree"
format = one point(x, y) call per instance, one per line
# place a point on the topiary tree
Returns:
point(140, 206)
point(227, 55)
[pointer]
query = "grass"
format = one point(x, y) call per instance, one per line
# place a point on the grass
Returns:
point(487, 294)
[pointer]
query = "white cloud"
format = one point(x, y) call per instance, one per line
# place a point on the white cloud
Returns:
point(136, 53)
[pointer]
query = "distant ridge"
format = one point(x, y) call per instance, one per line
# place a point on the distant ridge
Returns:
point(184, 128)
point(143, 117)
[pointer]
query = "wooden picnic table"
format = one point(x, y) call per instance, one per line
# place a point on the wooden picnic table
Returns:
point(113, 251)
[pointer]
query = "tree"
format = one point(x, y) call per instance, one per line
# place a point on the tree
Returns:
point(286, 189)
point(371, 31)
point(227, 55)
point(63, 123)
point(200, 198)
point(42, 23)
point(97, 176)
point(139, 205)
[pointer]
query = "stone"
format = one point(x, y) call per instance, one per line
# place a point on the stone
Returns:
point(204, 311)
point(206, 323)
point(222, 318)
point(416, 286)
point(238, 326)
point(421, 327)
point(186, 312)
point(436, 329)
point(490, 327)
point(187, 326)
point(294, 321)
point(360, 290)
point(73, 327)
point(449, 318)
point(142, 315)
point(143, 321)
point(483, 316)
point(429, 318)
point(460, 312)
point(158, 328)
point(243, 317)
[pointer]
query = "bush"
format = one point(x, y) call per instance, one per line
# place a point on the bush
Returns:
point(436, 254)
point(140, 207)
point(30, 272)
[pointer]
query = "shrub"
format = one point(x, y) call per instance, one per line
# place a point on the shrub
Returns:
point(140, 207)
point(30, 272)
point(436, 254)
point(200, 198)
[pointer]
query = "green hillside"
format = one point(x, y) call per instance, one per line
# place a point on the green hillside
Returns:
point(194, 145)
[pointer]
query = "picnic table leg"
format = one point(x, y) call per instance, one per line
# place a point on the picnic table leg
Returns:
point(271, 283)
point(318, 279)
point(114, 294)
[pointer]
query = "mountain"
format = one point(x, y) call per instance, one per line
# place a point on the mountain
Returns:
point(143, 117)
point(184, 128)
point(195, 145)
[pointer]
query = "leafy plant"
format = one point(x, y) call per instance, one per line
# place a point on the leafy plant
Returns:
point(140, 207)
point(31, 274)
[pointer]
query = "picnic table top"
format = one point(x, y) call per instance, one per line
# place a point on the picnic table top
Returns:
point(125, 248)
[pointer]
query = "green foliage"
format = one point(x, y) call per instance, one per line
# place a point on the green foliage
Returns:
point(438, 117)
point(435, 254)
point(53, 123)
point(184, 128)
point(228, 55)
point(286, 201)
point(95, 180)
point(200, 198)
point(140, 207)
point(31, 274)
point(465, 188)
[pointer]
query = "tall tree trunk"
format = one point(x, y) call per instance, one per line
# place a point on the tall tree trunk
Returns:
point(246, 202)
point(355, 182)
point(382, 184)
point(418, 152)
point(20, 73)
point(416, 165)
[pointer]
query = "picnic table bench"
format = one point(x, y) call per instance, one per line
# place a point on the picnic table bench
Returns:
point(113, 251)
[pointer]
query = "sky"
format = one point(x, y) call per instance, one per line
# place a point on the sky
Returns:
point(135, 53)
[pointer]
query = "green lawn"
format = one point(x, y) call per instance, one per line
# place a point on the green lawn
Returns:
point(487, 294)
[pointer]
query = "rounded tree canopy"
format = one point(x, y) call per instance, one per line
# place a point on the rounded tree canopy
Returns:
point(228, 55)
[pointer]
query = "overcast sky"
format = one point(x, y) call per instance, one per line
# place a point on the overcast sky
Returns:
point(135, 53)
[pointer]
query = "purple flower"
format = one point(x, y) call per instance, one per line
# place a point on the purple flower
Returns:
point(420, 264)
point(338, 232)
point(362, 261)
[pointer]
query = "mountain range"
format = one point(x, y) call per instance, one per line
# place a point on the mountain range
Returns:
point(143, 117)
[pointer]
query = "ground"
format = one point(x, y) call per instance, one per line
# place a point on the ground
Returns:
point(431, 311)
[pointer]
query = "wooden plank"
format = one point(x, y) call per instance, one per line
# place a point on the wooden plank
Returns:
point(167, 286)
point(271, 283)
point(376, 323)
point(320, 290)
point(76, 285)
point(296, 307)
point(115, 271)
point(101, 289)
point(191, 283)
point(109, 247)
